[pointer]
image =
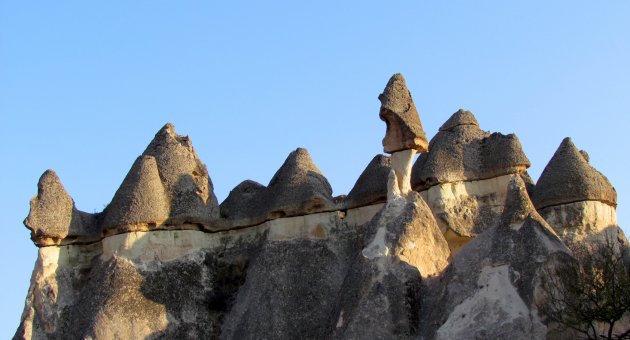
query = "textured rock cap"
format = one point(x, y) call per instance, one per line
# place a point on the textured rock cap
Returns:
point(371, 187)
point(404, 130)
point(53, 216)
point(568, 177)
point(184, 176)
point(141, 197)
point(461, 151)
point(297, 188)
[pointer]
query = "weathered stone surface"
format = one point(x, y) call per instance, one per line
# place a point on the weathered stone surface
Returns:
point(568, 177)
point(371, 187)
point(461, 151)
point(381, 294)
point(54, 219)
point(140, 203)
point(185, 178)
point(464, 210)
point(404, 130)
point(490, 288)
point(297, 188)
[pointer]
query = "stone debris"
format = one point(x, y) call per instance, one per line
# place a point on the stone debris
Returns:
point(568, 177)
point(404, 130)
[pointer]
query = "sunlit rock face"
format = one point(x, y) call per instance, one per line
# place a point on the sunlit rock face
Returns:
point(448, 247)
point(464, 176)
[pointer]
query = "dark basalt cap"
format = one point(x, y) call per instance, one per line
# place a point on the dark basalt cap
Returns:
point(185, 178)
point(404, 129)
point(568, 177)
point(461, 151)
point(371, 187)
point(53, 216)
point(141, 197)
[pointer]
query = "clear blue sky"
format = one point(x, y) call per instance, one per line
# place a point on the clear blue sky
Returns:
point(84, 85)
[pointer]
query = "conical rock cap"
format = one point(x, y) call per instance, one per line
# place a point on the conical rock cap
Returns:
point(185, 177)
point(404, 129)
point(568, 178)
point(140, 199)
point(461, 151)
point(53, 215)
point(371, 187)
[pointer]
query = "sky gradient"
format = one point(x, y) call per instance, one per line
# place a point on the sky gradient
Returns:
point(84, 86)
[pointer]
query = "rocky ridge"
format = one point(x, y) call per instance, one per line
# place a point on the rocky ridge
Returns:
point(451, 246)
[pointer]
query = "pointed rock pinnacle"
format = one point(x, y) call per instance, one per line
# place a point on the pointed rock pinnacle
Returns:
point(568, 177)
point(404, 129)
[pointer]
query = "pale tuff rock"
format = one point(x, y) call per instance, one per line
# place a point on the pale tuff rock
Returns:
point(568, 177)
point(185, 178)
point(371, 187)
point(402, 161)
point(490, 288)
point(54, 219)
point(297, 188)
point(464, 210)
point(404, 130)
point(381, 295)
point(461, 151)
point(140, 200)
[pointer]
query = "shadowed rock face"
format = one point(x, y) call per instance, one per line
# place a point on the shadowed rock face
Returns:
point(568, 177)
point(53, 218)
point(371, 187)
point(297, 188)
point(461, 151)
point(404, 130)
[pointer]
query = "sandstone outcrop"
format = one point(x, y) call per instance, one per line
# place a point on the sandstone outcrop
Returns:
point(54, 219)
point(450, 247)
point(464, 176)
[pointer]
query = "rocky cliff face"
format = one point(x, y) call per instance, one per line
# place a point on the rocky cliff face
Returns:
point(451, 247)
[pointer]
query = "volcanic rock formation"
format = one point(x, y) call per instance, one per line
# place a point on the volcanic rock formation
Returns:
point(449, 247)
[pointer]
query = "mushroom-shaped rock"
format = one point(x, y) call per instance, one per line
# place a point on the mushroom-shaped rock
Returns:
point(140, 202)
point(461, 151)
point(490, 289)
point(568, 177)
point(404, 130)
point(371, 187)
point(54, 219)
point(298, 187)
point(185, 178)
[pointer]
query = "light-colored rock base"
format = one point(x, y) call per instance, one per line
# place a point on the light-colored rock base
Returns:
point(465, 209)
